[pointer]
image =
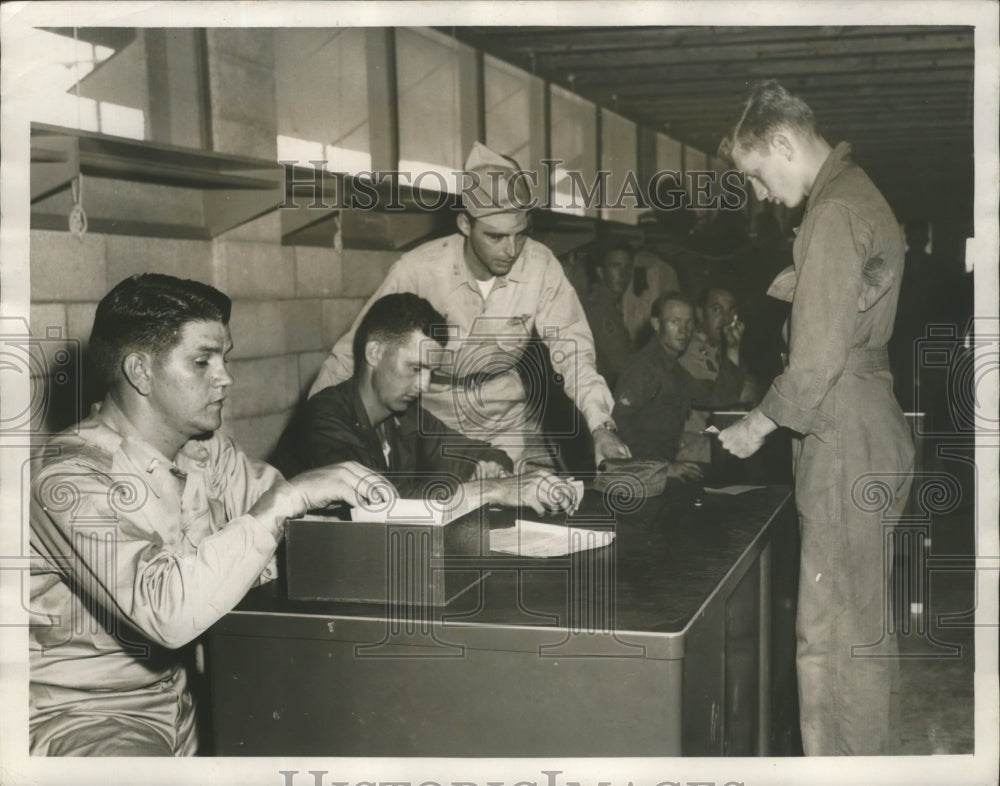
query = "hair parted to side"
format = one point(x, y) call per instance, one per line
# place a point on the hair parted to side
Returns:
point(392, 318)
point(667, 297)
point(704, 292)
point(766, 108)
point(147, 313)
point(609, 247)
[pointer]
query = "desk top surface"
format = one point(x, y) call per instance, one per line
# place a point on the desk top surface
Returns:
point(669, 556)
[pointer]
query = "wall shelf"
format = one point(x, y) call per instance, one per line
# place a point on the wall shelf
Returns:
point(134, 187)
point(371, 216)
point(231, 190)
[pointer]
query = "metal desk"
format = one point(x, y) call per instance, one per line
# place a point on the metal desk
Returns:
point(678, 639)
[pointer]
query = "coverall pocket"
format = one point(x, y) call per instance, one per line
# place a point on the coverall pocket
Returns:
point(818, 473)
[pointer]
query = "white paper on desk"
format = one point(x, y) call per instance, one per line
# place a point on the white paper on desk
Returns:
point(732, 490)
point(402, 511)
point(534, 539)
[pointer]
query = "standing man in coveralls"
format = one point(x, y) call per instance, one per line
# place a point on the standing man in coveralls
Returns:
point(837, 394)
point(494, 285)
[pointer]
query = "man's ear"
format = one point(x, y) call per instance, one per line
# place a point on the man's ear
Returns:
point(781, 145)
point(464, 223)
point(654, 322)
point(137, 368)
point(374, 350)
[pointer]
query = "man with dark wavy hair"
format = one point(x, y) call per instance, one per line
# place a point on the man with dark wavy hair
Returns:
point(376, 419)
point(148, 525)
point(836, 393)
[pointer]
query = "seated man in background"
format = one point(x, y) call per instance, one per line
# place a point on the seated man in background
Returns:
point(603, 306)
point(375, 418)
point(651, 277)
point(655, 393)
point(148, 525)
point(714, 350)
point(717, 337)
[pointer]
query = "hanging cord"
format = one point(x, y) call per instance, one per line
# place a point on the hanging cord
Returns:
point(77, 218)
point(338, 235)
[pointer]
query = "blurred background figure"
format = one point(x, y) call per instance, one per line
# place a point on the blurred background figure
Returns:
point(714, 352)
point(603, 306)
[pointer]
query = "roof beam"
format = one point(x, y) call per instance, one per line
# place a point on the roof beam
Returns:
point(519, 41)
point(713, 52)
point(805, 86)
point(913, 65)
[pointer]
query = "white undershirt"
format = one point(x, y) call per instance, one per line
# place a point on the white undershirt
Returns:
point(486, 286)
point(386, 447)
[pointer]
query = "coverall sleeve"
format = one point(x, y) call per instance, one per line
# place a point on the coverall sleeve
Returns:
point(835, 245)
point(109, 538)
point(572, 353)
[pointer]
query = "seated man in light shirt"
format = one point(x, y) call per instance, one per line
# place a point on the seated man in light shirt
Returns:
point(376, 419)
point(497, 287)
point(148, 525)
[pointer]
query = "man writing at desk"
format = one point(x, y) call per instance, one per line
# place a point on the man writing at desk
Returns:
point(148, 525)
point(375, 418)
point(496, 286)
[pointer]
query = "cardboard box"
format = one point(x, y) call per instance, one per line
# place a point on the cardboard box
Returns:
point(402, 560)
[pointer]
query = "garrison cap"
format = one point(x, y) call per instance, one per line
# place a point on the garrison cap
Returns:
point(494, 184)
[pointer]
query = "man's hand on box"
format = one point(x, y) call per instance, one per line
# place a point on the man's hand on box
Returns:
point(608, 445)
point(316, 488)
point(348, 482)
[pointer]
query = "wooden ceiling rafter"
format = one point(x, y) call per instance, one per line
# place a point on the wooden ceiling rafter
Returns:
point(901, 94)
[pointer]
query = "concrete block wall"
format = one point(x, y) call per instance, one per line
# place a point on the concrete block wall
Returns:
point(290, 303)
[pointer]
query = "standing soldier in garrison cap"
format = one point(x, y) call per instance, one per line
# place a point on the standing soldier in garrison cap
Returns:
point(495, 285)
